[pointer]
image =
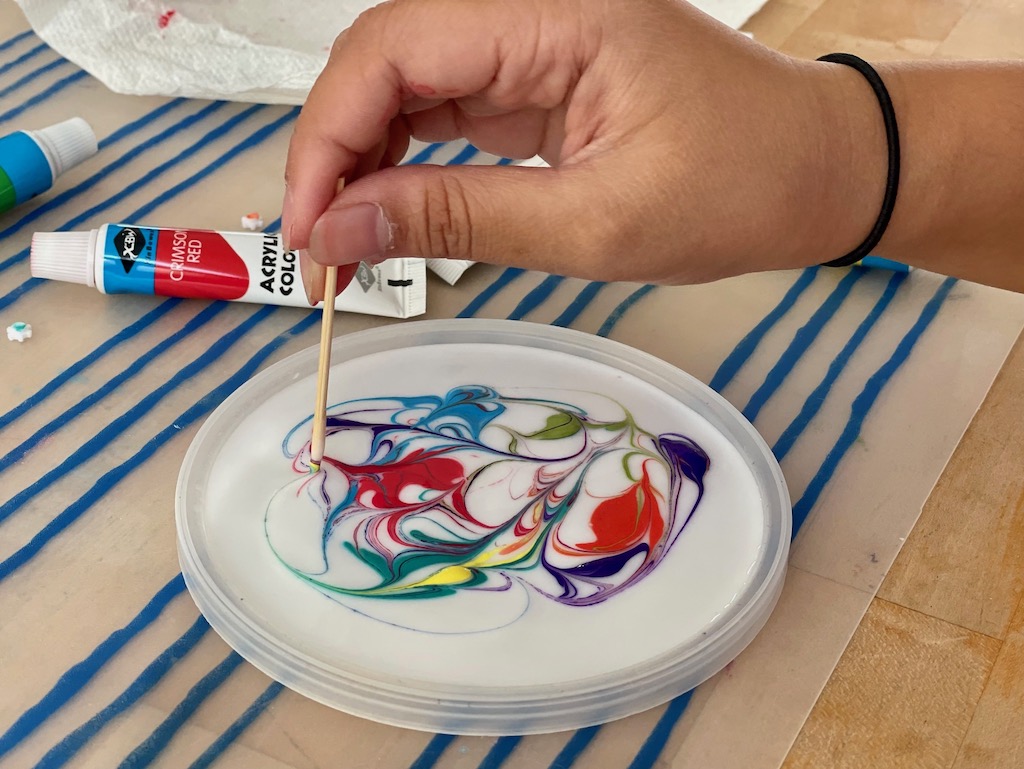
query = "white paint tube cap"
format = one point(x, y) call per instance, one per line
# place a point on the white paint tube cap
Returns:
point(66, 144)
point(65, 256)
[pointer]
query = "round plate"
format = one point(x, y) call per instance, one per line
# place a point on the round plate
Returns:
point(516, 529)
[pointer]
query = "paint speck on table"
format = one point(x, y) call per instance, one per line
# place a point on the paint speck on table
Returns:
point(19, 331)
point(252, 222)
point(165, 18)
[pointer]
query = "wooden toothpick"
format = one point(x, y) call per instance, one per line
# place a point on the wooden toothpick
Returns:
point(323, 374)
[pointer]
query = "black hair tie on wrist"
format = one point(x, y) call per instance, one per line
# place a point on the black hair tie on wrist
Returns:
point(892, 136)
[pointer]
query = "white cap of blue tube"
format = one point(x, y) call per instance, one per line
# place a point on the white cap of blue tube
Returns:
point(30, 161)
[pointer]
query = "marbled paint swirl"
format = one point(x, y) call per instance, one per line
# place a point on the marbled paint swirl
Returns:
point(426, 497)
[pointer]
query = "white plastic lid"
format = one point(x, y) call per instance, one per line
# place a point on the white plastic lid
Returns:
point(63, 256)
point(415, 679)
point(66, 144)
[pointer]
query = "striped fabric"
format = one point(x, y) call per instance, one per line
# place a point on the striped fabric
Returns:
point(860, 381)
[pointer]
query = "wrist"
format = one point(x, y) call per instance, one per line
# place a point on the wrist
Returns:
point(847, 164)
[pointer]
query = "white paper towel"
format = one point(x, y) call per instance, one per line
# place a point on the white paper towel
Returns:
point(242, 50)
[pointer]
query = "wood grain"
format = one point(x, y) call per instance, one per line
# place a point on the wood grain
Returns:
point(964, 561)
point(876, 30)
point(903, 695)
point(994, 739)
point(990, 29)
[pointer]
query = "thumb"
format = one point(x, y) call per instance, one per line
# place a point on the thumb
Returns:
point(537, 218)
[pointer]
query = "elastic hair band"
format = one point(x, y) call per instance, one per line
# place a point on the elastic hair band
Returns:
point(892, 136)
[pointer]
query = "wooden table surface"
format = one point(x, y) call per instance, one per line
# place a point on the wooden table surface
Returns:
point(932, 678)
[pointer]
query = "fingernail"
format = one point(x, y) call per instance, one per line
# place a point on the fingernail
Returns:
point(358, 233)
point(312, 279)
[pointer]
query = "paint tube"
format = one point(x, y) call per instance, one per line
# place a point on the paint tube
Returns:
point(205, 264)
point(450, 270)
point(877, 262)
point(30, 161)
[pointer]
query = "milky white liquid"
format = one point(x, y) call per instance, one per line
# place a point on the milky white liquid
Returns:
point(449, 640)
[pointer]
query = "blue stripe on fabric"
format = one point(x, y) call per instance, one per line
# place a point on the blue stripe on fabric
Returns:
point(127, 419)
point(42, 96)
point(195, 323)
point(207, 403)
point(77, 676)
point(801, 343)
point(499, 752)
point(114, 476)
point(579, 304)
point(38, 72)
point(655, 742)
point(19, 291)
point(152, 746)
point(256, 138)
point(466, 153)
point(65, 750)
point(125, 334)
point(505, 162)
point(865, 400)
point(426, 153)
point(433, 751)
point(507, 276)
point(30, 54)
point(624, 306)
point(13, 41)
point(572, 750)
point(814, 402)
point(141, 122)
point(119, 162)
point(735, 360)
point(536, 297)
point(240, 724)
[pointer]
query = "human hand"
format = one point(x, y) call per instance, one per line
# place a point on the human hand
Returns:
point(681, 151)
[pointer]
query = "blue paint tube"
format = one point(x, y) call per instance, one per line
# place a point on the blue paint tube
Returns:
point(30, 161)
point(878, 262)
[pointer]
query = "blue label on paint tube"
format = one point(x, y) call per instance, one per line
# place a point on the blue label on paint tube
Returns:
point(129, 260)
